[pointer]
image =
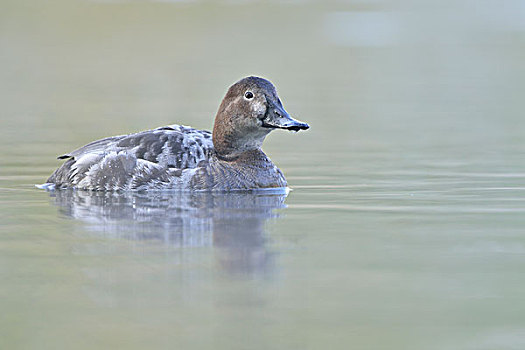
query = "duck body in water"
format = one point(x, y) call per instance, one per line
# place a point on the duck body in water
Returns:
point(179, 157)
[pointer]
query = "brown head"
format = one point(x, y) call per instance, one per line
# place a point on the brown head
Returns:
point(250, 110)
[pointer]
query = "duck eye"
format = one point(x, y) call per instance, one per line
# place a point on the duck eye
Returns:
point(248, 95)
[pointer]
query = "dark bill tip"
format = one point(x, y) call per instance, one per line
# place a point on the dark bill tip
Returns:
point(298, 126)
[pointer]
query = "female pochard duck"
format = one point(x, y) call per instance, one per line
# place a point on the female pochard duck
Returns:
point(180, 157)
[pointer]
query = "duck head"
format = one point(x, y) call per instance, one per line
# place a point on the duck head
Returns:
point(250, 110)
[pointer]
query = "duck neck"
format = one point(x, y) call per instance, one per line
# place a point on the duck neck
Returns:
point(227, 157)
point(231, 144)
point(250, 156)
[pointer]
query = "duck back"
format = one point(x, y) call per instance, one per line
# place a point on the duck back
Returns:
point(162, 158)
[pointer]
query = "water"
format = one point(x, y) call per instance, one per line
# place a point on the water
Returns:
point(404, 226)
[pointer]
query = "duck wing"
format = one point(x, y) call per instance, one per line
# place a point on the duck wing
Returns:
point(93, 147)
point(148, 159)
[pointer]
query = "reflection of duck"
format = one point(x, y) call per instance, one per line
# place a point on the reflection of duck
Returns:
point(232, 222)
point(178, 157)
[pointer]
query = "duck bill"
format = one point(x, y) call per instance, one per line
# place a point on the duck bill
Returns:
point(277, 118)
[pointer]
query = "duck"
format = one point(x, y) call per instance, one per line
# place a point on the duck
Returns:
point(179, 157)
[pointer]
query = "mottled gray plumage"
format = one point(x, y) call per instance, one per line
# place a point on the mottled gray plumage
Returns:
point(179, 157)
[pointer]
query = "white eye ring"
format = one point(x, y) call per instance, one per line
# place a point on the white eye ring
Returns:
point(248, 95)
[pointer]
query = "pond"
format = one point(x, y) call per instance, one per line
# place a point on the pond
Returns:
point(404, 224)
